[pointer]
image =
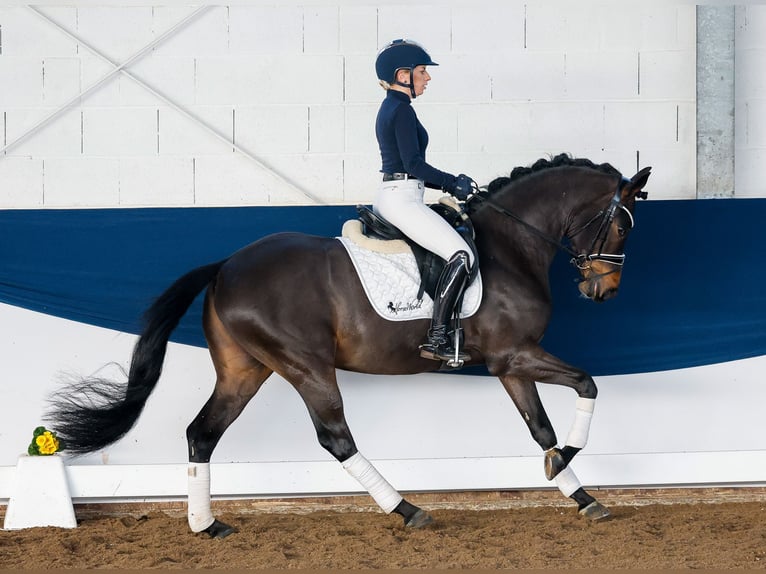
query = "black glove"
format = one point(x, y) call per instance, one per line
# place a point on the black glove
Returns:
point(463, 187)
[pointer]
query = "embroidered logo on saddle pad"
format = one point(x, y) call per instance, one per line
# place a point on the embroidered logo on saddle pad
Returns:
point(390, 277)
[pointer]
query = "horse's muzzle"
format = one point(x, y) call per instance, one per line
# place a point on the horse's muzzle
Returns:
point(600, 281)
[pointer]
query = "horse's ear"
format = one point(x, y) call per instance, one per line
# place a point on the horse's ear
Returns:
point(637, 183)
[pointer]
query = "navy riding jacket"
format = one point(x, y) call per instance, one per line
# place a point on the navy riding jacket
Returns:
point(403, 141)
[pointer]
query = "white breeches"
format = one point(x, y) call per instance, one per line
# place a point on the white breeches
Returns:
point(401, 203)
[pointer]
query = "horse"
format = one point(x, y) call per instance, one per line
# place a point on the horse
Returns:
point(259, 319)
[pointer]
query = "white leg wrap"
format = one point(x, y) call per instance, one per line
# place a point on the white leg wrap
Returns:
point(382, 492)
point(200, 514)
point(567, 481)
point(578, 434)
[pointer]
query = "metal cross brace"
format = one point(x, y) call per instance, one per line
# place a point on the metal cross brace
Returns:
point(121, 68)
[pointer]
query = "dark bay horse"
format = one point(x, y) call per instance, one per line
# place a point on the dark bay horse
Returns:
point(292, 304)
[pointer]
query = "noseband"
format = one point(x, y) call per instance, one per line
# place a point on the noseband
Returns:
point(582, 261)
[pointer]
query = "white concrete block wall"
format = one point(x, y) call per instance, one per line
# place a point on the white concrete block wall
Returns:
point(750, 100)
point(293, 84)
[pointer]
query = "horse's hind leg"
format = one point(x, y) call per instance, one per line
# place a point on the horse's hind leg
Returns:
point(524, 394)
point(238, 378)
point(325, 406)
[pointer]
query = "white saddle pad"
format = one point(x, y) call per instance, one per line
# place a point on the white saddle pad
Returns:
point(392, 280)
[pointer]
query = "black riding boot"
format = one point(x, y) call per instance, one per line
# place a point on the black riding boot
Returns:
point(451, 283)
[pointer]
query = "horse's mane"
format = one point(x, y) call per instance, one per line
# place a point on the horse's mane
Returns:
point(563, 159)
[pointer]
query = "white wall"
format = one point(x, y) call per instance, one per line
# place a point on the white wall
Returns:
point(293, 84)
point(425, 432)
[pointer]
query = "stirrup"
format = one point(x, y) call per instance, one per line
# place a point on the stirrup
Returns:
point(442, 351)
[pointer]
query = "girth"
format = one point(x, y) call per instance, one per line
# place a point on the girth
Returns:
point(429, 264)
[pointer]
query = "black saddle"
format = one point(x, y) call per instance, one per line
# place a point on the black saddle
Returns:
point(430, 265)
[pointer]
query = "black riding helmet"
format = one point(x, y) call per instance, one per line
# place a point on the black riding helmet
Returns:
point(401, 54)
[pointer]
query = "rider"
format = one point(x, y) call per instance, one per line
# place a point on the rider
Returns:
point(401, 69)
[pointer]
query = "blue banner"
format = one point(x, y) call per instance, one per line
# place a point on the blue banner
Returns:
point(691, 291)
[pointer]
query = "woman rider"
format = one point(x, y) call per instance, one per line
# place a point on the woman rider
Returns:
point(401, 69)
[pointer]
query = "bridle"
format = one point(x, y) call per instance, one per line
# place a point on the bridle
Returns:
point(582, 261)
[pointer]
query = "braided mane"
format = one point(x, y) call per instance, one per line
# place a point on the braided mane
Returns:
point(563, 159)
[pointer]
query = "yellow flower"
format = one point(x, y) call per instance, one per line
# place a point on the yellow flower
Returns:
point(47, 443)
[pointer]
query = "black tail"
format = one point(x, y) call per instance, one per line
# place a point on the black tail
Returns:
point(92, 413)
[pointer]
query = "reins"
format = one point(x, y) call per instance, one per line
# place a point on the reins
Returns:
point(484, 200)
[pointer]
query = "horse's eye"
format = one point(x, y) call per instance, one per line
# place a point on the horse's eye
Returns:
point(621, 231)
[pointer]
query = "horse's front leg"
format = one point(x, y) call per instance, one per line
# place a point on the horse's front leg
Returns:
point(524, 394)
point(535, 364)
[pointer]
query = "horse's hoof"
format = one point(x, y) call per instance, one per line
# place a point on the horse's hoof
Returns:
point(420, 519)
point(594, 511)
point(219, 529)
point(554, 463)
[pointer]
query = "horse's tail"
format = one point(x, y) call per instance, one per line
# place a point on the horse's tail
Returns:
point(92, 413)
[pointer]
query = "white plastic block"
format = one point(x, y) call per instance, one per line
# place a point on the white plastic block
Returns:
point(327, 129)
point(180, 135)
point(749, 79)
point(320, 175)
point(321, 29)
point(440, 120)
point(566, 126)
point(674, 172)
point(361, 82)
point(361, 176)
point(474, 32)
point(118, 32)
point(635, 21)
point(528, 76)
point(118, 132)
point(669, 75)
point(460, 78)
point(640, 123)
point(21, 80)
point(409, 21)
point(559, 26)
point(484, 167)
point(156, 181)
point(82, 182)
point(359, 29)
point(96, 71)
point(266, 30)
point(272, 129)
point(687, 26)
point(602, 75)
point(748, 173)
point(59, 136)
point(61, 80)
point(171, 77)
point(668, 27)
point(26, 34)
point(40, 496)
point(750, 27)
point(510, 128)
point(360, 128)
point(756, 123)
point(270, 79)
point(21, 182)
point(206, 34)
point(231, 180)
point(235, 180)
